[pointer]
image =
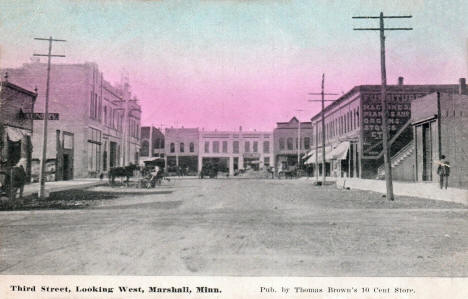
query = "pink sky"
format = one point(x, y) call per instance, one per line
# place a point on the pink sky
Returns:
point(222, 64)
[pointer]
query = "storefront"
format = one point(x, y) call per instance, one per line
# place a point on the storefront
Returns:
point(16, 127)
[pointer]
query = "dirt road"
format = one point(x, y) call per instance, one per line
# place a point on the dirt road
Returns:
point(241, 227)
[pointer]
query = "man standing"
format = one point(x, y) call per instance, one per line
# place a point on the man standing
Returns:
point(443, 170)
point(19, 178)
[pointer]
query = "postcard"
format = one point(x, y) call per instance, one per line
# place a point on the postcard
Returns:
point(233, 149)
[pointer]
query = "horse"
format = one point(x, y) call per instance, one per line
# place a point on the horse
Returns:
point(126, 171)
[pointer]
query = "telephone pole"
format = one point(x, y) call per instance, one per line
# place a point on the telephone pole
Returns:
point(298, 145)
point(383, 99)
point(46, 115)
point(322, 116)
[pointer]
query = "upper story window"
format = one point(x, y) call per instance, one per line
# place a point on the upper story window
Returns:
point(172, 147)
point(144, 151)
point(247, 146)
point(192, 147)
point(306, 142)
point(255, 146)
point(281, 143)
point(235, 147)
point(181, 147)
point(290, 143)
point(225, 146)
point(105, 115)
point(207, 146)
point(266, 147)
point(215, 146)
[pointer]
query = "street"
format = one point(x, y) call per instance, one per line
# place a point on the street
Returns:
point(242, 227)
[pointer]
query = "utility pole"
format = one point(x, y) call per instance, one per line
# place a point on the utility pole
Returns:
point(322, 116)
point(298, 145)
point(46, 115)
point(383, 96)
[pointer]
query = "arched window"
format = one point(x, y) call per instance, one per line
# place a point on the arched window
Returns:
point(181, 147)
point(172, 147)
point(192, 147)
point(290, 143)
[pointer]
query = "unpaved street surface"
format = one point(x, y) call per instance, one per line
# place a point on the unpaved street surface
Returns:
point(241, 227)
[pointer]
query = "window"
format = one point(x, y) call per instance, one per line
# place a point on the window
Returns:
point(247, 146)
point(290, 143)
point(207, 146)
point(215, 146)
point(235, 147)
point(172, 149)
point(144, 151)
point(225, 146)
point(297, 144)
point(105, 115)
point(192, 147)
point(181, 147)
point(281, 143)
point(266, 147)
point(94, 150)
point(91, 106)
point(306, 142)
point(255, 146)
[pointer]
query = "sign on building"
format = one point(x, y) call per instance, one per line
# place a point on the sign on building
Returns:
point(399, 114)
point(40, 116)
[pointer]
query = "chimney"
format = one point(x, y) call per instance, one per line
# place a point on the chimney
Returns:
point(462, 86)
point(400, 80)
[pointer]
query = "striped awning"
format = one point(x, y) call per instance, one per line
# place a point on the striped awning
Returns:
point(340, 151)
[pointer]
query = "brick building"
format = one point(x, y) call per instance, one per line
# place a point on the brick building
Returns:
point(286, 144)
point(181, 149)
point(353, 133)
point(234, 150)
point(16, 126)
point(152, 144)
point(99, 123)
point(439, 122)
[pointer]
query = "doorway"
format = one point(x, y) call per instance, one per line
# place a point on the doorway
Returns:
point(112, 154)
point(67, 169)
point(427, 152)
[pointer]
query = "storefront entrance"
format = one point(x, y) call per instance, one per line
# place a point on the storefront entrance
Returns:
point(427, 152)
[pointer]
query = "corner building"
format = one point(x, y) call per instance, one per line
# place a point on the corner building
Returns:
point(353, 132)
point(98, 126)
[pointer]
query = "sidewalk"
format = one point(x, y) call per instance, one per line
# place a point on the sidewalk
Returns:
point(63, 185)
point(423, 190)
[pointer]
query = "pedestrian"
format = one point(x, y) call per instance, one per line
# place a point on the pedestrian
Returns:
point(443, 170)
point(19, 179)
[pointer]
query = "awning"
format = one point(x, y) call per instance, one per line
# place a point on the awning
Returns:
point(308, 154)
point(318, 156)
point(340, 151)
point(311, 158)
point(16, 134)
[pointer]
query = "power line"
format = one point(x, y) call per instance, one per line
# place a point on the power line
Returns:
point(46, 114)
point(322, 100)
point(386, 146)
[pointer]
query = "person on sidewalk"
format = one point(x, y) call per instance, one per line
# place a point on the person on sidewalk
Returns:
point(19, 179)
point(443, 170)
